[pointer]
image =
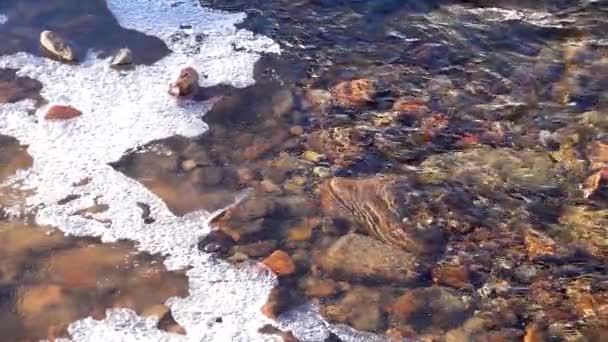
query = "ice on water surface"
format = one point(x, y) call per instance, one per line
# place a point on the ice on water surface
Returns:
point(123, 110)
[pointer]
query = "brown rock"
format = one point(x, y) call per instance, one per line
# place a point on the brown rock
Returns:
point(246, 218)
point(282, 102)
point(245, 175)
point(355, 93)
point(375, 204)
point(256, 249)
point(318, 99)
point(303, 231)
point(382, 262)
point(456, 276)
point(597, 154)
point(14, 88)
point(60, 112)
point(158, 311)
point(312, 156)
point(280, 263)
point(296, 130)
point(270, 186)
point(185, 83)
point(407, 305)
point(318, 288)
point(360, 308)
point(593, 182)
point(534, 333)
point(538, 244)
point(414, 107)
point(281, 298)
point(443, 307)
point(256, 150)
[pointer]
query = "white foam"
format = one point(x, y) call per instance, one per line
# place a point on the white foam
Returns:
point(123, 110)
point(3, 19)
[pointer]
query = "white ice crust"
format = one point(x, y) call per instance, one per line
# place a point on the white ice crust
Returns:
point(122, 110)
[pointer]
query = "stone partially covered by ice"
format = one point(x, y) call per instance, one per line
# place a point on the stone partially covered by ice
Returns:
point(124, 110)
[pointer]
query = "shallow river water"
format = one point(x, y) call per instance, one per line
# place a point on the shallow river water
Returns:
point(388, 170)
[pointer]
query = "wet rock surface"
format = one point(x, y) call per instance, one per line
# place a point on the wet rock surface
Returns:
point(381, 263)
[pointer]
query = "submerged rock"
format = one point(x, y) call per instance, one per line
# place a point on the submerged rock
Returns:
point(388, 208)
point(445, 308)
point(360, 308)
point(57, 46)
point(495, 168)
point(280, 263)
point(355, 93)
point(358, 257)
point(246, 218)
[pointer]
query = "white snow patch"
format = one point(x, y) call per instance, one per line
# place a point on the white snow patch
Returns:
point(124, 110)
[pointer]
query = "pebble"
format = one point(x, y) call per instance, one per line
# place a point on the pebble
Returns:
point(188, 165)
point(61, 112)
point(282, 102)
point(312, 156)
point(319, 99)
point(456, 276)
point(295, 185)
point(56, 45)
point(245, 175)
point(280, 263)
point(270, 186)
point(124, 56)
point(355, 93)
point(296, 130)
point(322, 171)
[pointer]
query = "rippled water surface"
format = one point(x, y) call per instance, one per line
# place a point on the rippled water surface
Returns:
point(347, 171)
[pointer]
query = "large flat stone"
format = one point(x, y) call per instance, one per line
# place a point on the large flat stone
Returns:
point(359, 257)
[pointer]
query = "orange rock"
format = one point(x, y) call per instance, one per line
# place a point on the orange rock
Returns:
point(534, 333)
point(539, 244)
point(406, 305)
point(280, 263)
point(597, 154)
point(61, 112)
point(593, 182)
point(585, 305)
point(433, 125)
point(400, 334)
point(468, 140)
point(355, 93)
point(456, 276)
point(414, 107)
